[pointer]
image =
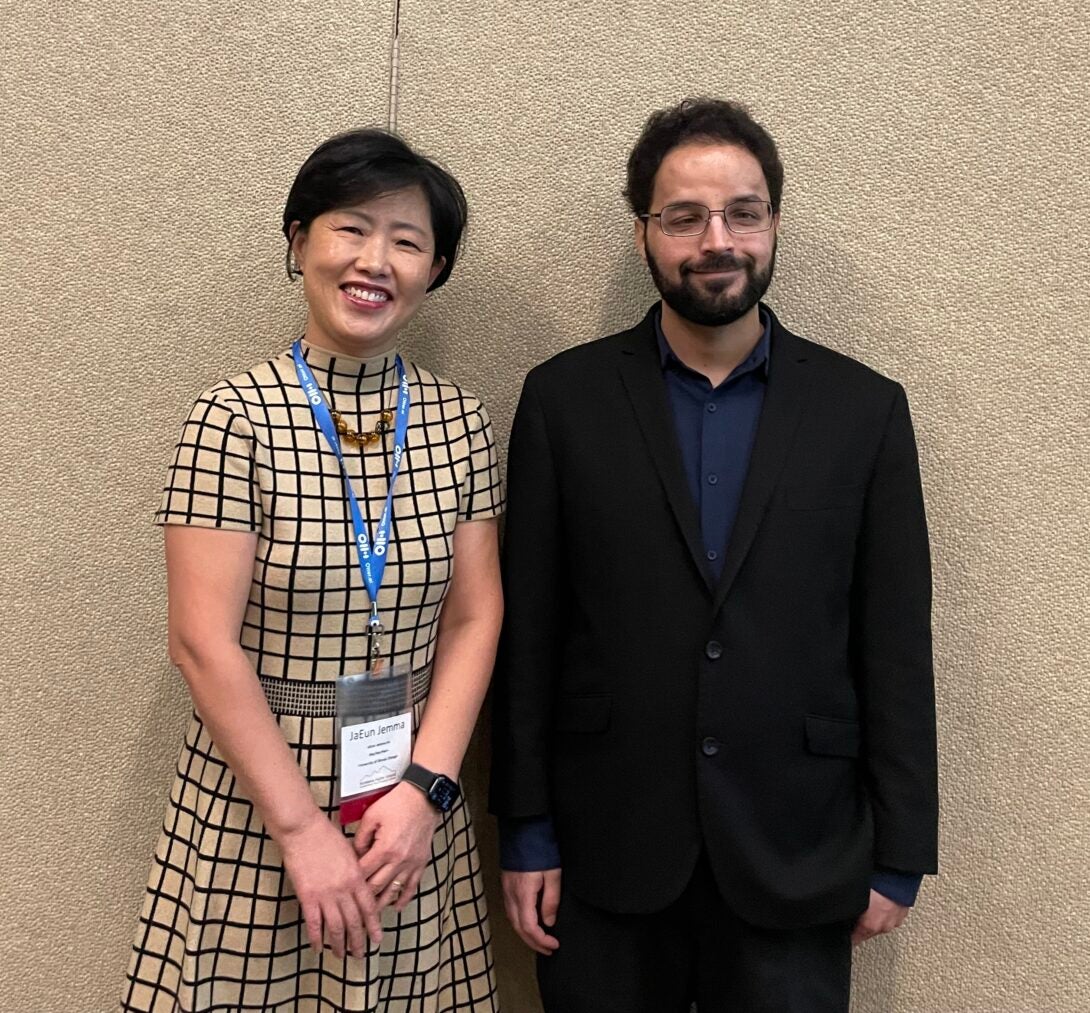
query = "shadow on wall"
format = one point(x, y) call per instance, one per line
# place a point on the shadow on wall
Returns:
point(629, 292)
point(822, 290)
point(875, 990)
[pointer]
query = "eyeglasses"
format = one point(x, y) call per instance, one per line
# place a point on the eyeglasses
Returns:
point(692, 219)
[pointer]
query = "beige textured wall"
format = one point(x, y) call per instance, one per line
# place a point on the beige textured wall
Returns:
point(935, 225)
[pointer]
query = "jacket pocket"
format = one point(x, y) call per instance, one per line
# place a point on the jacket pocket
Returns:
point(833, 497)
point(832, 736)
point(583, 713)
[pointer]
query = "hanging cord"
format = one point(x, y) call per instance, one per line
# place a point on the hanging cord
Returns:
point(391, 113)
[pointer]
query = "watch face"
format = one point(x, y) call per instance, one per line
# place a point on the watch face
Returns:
point(444, 793)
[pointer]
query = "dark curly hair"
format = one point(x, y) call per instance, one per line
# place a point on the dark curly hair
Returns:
point(699, 120)
point(356, 166)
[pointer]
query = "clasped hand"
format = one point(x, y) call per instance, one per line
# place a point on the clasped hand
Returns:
point(393, 843)
point(343, 885)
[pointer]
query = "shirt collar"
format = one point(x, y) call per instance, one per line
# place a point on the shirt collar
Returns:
point(757, 359)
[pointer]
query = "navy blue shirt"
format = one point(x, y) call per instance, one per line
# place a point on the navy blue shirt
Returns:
point(715, 428)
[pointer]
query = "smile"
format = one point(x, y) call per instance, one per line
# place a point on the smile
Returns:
point(368, 295)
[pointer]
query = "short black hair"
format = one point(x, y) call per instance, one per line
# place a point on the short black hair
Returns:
point(698, 120)
point(360, 165)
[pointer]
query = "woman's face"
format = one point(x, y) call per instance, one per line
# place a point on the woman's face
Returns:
point(366, 269)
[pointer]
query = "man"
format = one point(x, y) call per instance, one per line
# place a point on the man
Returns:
point(714, 709)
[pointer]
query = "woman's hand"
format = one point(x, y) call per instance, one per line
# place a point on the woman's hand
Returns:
point(336, 901)
point(394, 844)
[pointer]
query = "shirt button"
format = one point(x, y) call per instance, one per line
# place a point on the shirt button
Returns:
point(714, 650)
point(712, 408)
point(710, 746)
point(713, 555)
point(713, 479)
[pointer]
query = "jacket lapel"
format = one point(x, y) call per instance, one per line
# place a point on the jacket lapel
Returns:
point(788, 383)
point(641, 373)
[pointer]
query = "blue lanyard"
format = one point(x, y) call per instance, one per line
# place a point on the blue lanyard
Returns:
point(372, 559)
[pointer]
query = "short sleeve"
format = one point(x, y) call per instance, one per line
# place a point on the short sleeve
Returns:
point(213, 481)
point(482, 491)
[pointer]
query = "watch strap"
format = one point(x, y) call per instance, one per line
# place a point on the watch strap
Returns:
point(439, 789)
point(420, 776)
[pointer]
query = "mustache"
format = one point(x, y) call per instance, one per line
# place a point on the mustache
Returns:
point(721, 262)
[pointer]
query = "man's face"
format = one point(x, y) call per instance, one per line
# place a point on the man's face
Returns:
point(715, 278)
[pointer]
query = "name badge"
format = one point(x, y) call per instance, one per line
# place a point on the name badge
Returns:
point(375, 754)
point(374, 736)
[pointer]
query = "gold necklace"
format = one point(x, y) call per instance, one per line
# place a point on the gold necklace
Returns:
point(382, 427)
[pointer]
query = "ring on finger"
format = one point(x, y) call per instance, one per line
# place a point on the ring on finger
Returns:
point(397, 885)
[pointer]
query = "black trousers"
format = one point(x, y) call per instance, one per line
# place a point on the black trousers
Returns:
point(694, 951)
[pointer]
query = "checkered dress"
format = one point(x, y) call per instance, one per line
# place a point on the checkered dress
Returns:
point(221, 928)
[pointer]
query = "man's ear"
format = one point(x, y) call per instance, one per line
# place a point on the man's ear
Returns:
point(639, 236)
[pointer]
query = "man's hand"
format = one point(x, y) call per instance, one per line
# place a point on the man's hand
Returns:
point(523, 892)
point(883, 915)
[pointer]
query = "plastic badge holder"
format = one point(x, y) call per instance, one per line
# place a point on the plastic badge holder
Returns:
point(374, 737)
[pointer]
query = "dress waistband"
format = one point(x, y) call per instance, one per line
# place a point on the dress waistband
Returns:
point(304, 698)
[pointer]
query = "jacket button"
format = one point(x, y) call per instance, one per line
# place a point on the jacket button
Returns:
point(710, 746)
point(713, 649)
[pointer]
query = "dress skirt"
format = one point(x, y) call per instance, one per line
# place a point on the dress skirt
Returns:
point(221, 929)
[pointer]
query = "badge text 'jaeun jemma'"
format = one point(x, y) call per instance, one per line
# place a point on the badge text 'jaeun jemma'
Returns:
point(371, 732)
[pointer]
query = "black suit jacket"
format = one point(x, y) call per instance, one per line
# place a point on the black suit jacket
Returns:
point(781, 717)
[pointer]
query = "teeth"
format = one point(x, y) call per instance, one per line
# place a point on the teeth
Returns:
point(367, 294)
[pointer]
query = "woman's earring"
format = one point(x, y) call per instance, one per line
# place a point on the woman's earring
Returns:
point(291, 265)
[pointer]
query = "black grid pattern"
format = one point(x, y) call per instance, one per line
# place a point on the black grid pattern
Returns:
point(220, 927)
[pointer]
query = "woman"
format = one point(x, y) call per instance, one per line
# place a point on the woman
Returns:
point(273, 599)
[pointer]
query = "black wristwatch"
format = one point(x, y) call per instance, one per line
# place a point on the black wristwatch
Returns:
point(440, 790)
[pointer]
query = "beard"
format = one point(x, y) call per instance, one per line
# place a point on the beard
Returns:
point(710, 304)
